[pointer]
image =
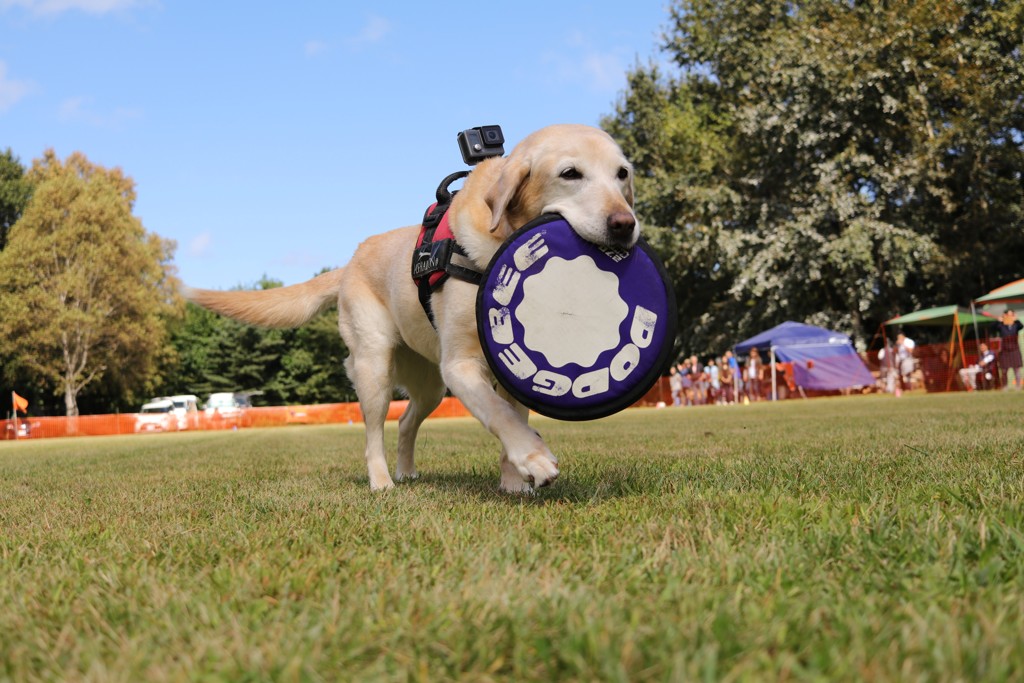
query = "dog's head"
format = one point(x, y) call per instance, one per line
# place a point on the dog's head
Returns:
point(573, 170)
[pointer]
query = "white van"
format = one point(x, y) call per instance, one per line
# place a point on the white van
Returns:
point(186, 409)
point(156, 416)
point(228, 408)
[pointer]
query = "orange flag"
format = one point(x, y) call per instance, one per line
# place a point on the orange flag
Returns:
point(20, 403)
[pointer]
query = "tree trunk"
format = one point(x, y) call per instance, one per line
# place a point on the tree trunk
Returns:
point(70, 400)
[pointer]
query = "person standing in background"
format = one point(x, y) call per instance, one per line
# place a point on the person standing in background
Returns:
point(700, 383)
point(754, 375)
point(905, 359)
point(686, 380)
point(1007, 329)
point(727, 380)
point(737, 376)
point(675, 384)
point(714, 378)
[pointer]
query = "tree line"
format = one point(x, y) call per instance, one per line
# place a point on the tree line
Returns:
point(90, 315)
point(825, 161)
point(830, 162)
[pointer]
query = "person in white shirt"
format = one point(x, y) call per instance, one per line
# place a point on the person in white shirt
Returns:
point(754, 375)
point(905, 358)
point(984, 367)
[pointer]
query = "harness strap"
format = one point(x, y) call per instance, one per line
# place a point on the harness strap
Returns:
point(444, 198)
point(437, 255)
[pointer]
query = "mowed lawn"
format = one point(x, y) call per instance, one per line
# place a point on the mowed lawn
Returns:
point(862, 538)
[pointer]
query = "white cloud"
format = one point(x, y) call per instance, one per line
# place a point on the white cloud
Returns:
point(11, 91)
point(373, 31)
point(71, 108)
point(576, 38)
point(600, 70)
point(315, 47)
point(603, 71)
point(299, 259)
point(53, 7)
point(80, 110)
point(200, 244)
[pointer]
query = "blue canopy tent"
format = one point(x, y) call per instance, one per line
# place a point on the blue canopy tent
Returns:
point(822, 359)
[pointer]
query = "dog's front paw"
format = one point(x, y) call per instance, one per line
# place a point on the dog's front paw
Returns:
point(381, 481)
point(517, 487)
point(539, 468)
point(513, 482)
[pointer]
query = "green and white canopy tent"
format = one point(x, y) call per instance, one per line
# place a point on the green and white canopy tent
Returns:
point(940, 316)
point(954, 317)
point(1010, 293)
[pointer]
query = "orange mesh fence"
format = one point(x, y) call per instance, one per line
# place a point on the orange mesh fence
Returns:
point(84, 425)
point(660, 393)
point(130, 423)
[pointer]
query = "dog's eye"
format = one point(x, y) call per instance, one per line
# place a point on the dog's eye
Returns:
point(570, 174)
point(623, 173)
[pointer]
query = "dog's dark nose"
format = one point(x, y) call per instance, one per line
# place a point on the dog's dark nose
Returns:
point(620, 226)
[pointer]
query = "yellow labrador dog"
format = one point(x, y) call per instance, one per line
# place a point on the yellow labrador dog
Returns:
point(573, 170)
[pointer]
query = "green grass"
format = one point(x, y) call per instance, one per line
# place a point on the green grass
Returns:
point(864, 538)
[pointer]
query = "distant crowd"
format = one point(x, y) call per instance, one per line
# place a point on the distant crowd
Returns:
point(726, 380)
point(722, 380)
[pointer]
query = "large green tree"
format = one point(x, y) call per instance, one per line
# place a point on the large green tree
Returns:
point(85, 291)
point(14, 193)
point(833, 162)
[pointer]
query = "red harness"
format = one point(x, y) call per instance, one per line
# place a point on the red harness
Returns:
point(432, 258)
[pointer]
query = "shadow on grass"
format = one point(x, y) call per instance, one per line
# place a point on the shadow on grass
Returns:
point(589, 485)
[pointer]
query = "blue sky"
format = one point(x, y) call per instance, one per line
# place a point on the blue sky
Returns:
point(268, 140)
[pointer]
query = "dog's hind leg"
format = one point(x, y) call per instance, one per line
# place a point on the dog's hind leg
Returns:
point(422, 381)
point(371, 337)
point(372, 378)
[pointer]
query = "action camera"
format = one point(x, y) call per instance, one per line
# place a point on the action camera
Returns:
point(477, 144)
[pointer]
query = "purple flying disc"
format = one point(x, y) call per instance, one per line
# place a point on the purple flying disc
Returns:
point(573, 330)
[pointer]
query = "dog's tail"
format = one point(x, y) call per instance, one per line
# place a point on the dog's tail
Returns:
point(278, 307)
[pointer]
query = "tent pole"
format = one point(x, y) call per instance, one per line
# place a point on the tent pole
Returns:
point(974, 321)
point(890, 358)
point(775, 389)
point(879, 333)
point(953, 337)
point(963, 352)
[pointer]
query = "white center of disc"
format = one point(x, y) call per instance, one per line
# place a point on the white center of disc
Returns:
point(571, 311)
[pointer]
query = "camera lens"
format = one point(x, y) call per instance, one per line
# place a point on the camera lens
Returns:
point(492, 135)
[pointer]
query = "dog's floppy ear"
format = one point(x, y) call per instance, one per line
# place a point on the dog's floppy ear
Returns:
point(500, 196)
